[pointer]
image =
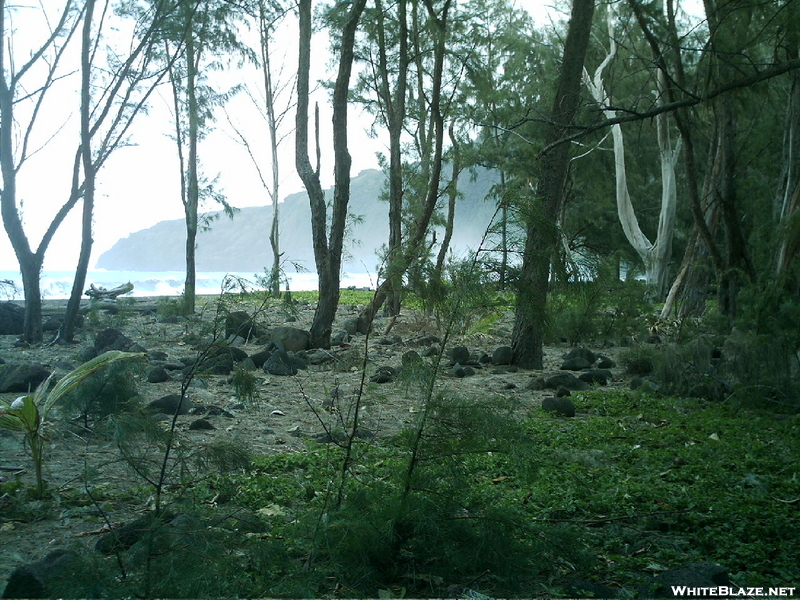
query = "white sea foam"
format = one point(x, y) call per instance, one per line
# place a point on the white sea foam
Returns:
point(58, 284)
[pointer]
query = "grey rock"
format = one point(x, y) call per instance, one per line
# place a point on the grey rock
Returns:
point(350, 326)
point(584, 353)
point(340, 338)
point(693, 575)
point(459, 354)
point(563, 392)
point(576, 363)
point(290, 339)
point(596, 376)
point(52, 324)
point(158, 375)
point(318, 357)
point(22, 377)
point(567, 380)
point(201, 424)
point(561, 406)
point(605, 362)
point(259, 358)
point(411, 360)
point(220, 364)
point(126, 536)
point(240, 324)
point(86, 353)
point(502, 355)
point(247, 364)
point(169, 404)
point(283, 364)
point(457, 371)
point(112, 339)
point(536, 384)
point(55, 574)
point(384, 374)
point(430, 351)
point(12, 318)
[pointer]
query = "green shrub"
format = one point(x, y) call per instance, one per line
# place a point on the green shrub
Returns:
point(103, 393)
point(638, 360)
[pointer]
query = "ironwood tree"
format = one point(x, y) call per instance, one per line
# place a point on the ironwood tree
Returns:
point(327, 244)
point(542, 232)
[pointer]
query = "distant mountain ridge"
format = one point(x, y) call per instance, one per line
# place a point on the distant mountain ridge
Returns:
point(241, 244)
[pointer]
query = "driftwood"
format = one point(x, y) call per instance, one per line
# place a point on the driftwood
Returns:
point(101, 293)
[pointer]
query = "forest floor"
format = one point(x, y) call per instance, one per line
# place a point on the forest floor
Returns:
point(288, 413)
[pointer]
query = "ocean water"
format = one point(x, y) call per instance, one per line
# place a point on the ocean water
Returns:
point(58, 284)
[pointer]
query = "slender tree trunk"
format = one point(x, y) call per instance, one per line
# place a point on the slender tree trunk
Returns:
point(327, 254)
point(395, 116)
point(452, 196)
point(432, 165)
point(272, 126)
point(89, 173)
point(787, 201)
point(654, 255)
point(542, 233)
point(192, 184)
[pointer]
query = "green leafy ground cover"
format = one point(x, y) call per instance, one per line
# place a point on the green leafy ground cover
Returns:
point(635, 485)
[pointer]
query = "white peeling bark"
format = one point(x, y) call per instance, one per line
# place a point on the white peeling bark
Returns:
point(654, 255)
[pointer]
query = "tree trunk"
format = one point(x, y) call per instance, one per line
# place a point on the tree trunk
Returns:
point(272, 126)
point(192, 201)
point(542, 232)
point(452, 196)
point(787, 201)
point(327, 253)
point(432, 165)
point(89, 172)
point(395, 116)
point(654, 255)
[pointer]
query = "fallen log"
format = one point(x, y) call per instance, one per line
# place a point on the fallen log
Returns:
point(101, 293)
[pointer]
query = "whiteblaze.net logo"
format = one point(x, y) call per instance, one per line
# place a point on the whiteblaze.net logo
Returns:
point(725, 591)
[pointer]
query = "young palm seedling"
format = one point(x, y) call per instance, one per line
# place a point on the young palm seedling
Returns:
point(28, 414)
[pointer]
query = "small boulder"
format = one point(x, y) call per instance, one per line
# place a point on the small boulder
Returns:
point(584, 353)
point(502, 355)
point(12, 318)
point(693, 575)
point(169, 404)
point(57, 573)
point(459, 354)
point(21, 377)
point(457, 371)
point(240, 324)
point(158, 375)
point(605, 362)
point(290, 339)
point(282, 364)
point(350, 326)
point(86, 353)
point(112, 339)
point(596, 376)
point(559, 405)
point(384, 374)
point(536, 384)
point(340, 338)
point(201, 424)
point(567, 380)
point(259, 358)
point(411, 360)
point(576, 363)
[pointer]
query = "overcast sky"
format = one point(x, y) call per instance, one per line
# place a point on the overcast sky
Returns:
point(139, 185)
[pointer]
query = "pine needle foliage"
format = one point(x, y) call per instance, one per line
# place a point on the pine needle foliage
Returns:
point(435, 506)
point(105, 392)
